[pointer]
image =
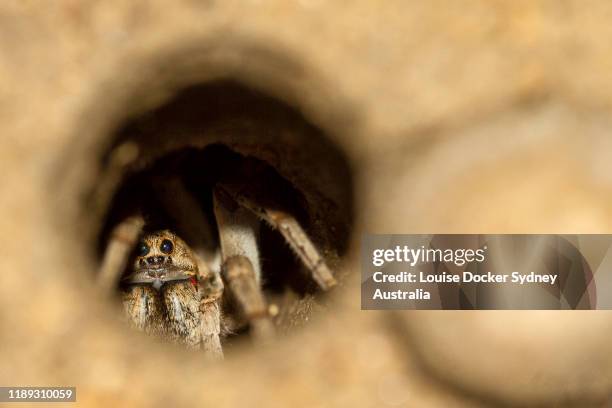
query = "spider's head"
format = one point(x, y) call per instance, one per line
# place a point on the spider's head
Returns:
point(161, 257)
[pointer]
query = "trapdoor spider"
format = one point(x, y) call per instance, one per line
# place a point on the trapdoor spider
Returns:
point(178, 292)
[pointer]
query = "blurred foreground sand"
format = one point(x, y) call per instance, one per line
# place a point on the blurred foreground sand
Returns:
point(482, 116)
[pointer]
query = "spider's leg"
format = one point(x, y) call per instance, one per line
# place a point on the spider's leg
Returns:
point(184, 317)
point(191, 221)
point(211, 328)
point(238, 229)
point(290, 229)
point(144, 309)
point(121, 243)
point(118, 161)
point(210, 297)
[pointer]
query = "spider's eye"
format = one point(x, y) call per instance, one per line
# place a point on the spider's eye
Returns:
point(143, 249)
point(166, 246)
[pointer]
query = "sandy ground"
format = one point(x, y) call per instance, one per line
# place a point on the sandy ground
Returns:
point(479, 116)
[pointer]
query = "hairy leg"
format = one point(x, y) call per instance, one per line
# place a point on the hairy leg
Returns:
point(122, 241)
point(182, 302)
point(289, 228)
point(144, 309)
point(241, 271)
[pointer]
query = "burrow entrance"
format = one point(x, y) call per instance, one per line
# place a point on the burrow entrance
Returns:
point(209, 133)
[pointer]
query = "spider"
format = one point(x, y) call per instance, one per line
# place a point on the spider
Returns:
point(178, 292)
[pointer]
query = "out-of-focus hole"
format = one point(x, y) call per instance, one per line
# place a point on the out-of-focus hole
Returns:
point(209, 131)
